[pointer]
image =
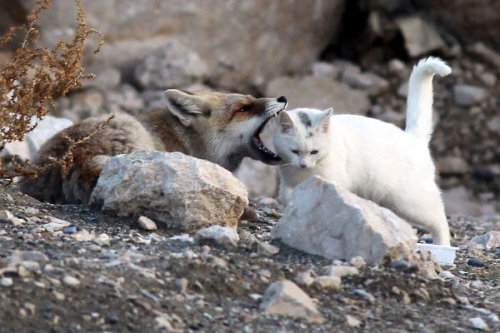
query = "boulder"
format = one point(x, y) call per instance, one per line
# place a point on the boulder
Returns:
point(240, 40)
point(325, 219)
point(287, 299)
point(183, 192)
point(319, 92)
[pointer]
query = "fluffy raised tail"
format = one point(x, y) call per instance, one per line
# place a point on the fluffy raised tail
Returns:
point(419, 101)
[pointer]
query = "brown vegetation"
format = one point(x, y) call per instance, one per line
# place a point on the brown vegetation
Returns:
point(32, 79)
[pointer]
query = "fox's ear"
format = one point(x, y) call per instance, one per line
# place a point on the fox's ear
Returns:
point(183, 105)
point(324, 120)
point(286, 122)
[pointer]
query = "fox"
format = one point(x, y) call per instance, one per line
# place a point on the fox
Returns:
point(219, 127)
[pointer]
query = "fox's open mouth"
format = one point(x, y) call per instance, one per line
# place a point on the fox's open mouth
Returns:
point(264, 153)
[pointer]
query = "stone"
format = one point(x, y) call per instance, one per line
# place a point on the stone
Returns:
point(33, 140)
point(321, 93)
point(259, 178)
point(328, 282)
point(173, 65)
point(124, 99)
point(71, 281)
point(106, 78)
point(325, 69)
point(475, 262)
point(352, 321)
point(81, 104)
point(365, 295)
point(340, 271)
point(55, 224)
point(485, 53)
point(369, 82)
point(305, 278)
point(224, 236)
point(181, 191)
point(357, 262)
point(267, 249)
point(459, 201)
point(397, 66)
point(479, 324)
point(6, 282)
point(493, 124)
point(325, 219)
point(467, 95)
point(102, 239)
point(489, 240)
point(217, 30)
point(146, 223)
point(19, 256)
point(452, 165)
point(419, 36)
point(83, 235)
point(7, 217)
point(287, 299)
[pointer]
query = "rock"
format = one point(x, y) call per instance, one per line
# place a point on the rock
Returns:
point(287, 299)
point(173, 65)
point(8, 217)
point(401, 264)
point(352, 321)
point(286, 40)
point(452, 165)
point(259, 178)
point(267, 249)
point(475, 262)
point(489, 240)
point(102, 239)
point(327, 220)
point(493, 124)
point(489, 79)
point(357, 262)
point(33, 140)
point(365, 295)
point(340, 271)
point(83, 235)
point(55, 224)
point(485, 53)
point(459, 200)
point(397, 67)
point(419, 36)
point(81, 104)
point(181, 191)
point(6, 282)
point(328, 282)
point(305, 278)
point(319, 92)
point(146, 223)
point(369, 82)
point(124, 99)
point(478, 323)
point(33, 256)
point(467, 95)
point(106, 78)
point(224, 236)
point(71, 280)
point(325, 69)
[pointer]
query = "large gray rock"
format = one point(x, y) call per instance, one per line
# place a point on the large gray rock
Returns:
point(319, 92)
point(327, 220)
point(241, 41)
point(173, 65)
point(287, 299)
point(181, 191)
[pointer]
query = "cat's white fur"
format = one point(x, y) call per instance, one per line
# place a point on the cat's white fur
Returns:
point(376, 160)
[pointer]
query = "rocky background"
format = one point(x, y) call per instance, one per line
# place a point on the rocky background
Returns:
point(73, 268)
point(353, 55)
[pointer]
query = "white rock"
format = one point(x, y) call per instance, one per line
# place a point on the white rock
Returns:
point(6, 282)
point(34, 256)
point(328, 220)
point(224, 236)
point(305, 278)
point(146, 223)
point(489, 240)
point(340, 271)
point(357, 262)
point(478, 323)
point(420, 37)
point(286, 298)
point(319, 92)
point(55, 224)
point(328, 282)
point(83, 236)
point(352, 321)
point(71, 280)
point(467, 95)
point(102, 239)
point(8, 217)
point(267, 249)
point(181, 191)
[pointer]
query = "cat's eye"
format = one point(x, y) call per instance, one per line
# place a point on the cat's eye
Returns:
point(314, 152)
point(295, 151)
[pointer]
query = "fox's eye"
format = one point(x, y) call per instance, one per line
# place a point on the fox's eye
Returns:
point(314, 152)
point(244, 108)
point(295, 151)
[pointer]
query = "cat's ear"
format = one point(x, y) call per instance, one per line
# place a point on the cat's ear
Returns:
point(324, 120)
point(286, 122)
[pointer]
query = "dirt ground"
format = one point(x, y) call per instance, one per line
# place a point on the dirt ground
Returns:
point(104, 273)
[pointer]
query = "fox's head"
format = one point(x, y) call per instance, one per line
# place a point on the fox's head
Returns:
point(227, 125)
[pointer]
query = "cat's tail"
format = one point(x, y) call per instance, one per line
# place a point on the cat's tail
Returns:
point(419, 101)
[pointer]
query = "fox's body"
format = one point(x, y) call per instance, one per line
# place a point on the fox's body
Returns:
point(221, 128)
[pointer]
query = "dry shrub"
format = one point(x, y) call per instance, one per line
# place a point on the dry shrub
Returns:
point(32, 79)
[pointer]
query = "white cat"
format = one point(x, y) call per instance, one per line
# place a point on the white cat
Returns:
point(375, 160)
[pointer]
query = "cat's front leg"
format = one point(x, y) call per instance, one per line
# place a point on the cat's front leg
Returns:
point(285, 193)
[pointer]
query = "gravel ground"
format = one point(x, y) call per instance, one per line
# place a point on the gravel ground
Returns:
point(104, 273)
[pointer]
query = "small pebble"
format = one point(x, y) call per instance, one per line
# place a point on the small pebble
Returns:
point(70, 230)
point(478, 323)
point(71, 281)
point(401, 264)
point(6, 282)
point(357, 262)
point(363, 294)
point(328, 282)
point(146, 223)
point(476, 262)
point(113, 319)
